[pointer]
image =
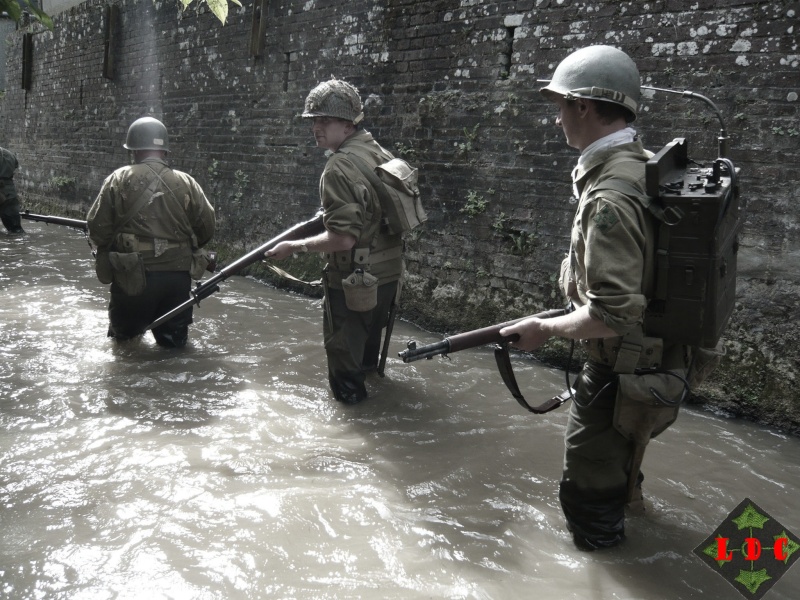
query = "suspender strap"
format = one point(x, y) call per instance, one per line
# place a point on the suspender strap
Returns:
point(143, 198)
point(666, 218)
point(374, 181)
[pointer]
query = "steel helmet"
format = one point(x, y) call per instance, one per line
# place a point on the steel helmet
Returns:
point(597, 73)
point(147, 133)
point(334, 98)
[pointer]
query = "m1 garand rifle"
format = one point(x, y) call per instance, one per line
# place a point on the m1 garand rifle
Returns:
point(204, 289)
point(53, 220)
point(482, 337)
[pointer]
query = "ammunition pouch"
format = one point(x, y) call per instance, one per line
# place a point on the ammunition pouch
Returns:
point(628, 353)
point(646, 404)
point(102, 266)
point(360, 291)
point(128, 272)
point(202, 261)
point(344, 260)
point(126, 242)
point(651, 383)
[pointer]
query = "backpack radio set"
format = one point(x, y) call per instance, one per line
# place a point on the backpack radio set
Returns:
point(700, 216)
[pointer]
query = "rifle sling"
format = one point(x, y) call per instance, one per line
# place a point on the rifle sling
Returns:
point(281, 273)
point(507, 373)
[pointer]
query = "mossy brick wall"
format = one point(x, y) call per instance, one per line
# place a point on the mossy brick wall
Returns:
point(452, 86)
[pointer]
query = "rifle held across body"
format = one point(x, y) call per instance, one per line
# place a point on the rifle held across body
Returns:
point(205, 288)
point(49, 219)
point(481, 337)
point(469, 339)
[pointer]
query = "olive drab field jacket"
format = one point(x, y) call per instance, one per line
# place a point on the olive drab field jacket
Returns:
point(612, 241)
point(352, 207)
point(611, 263)
point(176, 217)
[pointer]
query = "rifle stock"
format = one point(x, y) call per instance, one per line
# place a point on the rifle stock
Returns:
point(387, 336)
point(491, 335)
point(468, 339)
point(204, 289)
point(49, 219)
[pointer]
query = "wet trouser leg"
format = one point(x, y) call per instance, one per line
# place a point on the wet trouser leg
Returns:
point(130, 315)
point(9, 215)
point(352, 342)
point(593, 488)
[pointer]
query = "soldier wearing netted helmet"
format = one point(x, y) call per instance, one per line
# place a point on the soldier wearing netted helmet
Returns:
point(365, 261)
point(149, 223)
point(608, 276)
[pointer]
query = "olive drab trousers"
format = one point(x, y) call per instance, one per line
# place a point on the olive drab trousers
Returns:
point(129, 315)
point(597, 459)
point(353, 341)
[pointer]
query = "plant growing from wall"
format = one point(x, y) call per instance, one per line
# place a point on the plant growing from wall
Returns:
point(521, 242)
point(476, 204)
point(59, 182)
point(213, 168)
point(406, 152)
point(64, 186)
point(499, 224)
point(240, 183)
point(465, 147)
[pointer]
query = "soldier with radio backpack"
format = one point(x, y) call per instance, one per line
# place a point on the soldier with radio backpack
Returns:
point(638, 369)
point(369, 199)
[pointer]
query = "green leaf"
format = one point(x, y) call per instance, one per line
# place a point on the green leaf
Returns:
point(15, 8)
point(12, 8)
point(43, 17)
point(219, 8)
point(750, 518)
point(753, 579)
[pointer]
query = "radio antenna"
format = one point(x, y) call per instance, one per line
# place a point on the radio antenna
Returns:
point(723, 134)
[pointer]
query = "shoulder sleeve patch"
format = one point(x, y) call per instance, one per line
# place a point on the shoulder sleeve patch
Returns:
point(605, 218)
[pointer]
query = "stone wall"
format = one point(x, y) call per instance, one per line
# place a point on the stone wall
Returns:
point(451, 86)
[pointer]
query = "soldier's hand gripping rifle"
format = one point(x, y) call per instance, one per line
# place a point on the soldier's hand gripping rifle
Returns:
point(205, 288)
point(76, 223)
point(481, 337)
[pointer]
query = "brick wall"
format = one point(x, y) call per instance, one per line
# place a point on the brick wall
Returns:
point(451, 86)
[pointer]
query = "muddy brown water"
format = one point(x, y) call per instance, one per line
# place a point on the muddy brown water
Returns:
point(225, 470)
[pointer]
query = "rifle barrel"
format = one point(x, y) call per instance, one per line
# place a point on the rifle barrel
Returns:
point(206, 288)
point(50, 219)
